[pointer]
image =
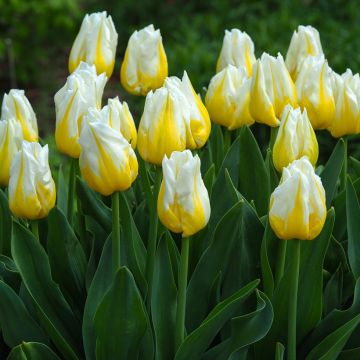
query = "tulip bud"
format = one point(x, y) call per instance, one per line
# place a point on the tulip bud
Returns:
point(237, 50)
point(304, 42)
point(95, 43)
point(297, 205)
point(11, 137)
point(347, 104)
point(144, 67)
point(183, 202)
point(228, 98)
point(271, 90)
point(315, 93)
point(16, 105)
point(295, 139)
point(32, 192)
point(198, 124)
point(107, 161)
point(83, 89)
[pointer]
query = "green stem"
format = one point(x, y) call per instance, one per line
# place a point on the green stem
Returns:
point(115, 232)
point(273, 135)
point(35, 228)
point(71, 191)
point(293, 288)
point(182, 285)
point(151, 246)
point(280, 264)
point(145, 181)
point(227, 140)
point(345, 165)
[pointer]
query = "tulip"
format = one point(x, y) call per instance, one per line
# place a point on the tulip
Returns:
point(32, 192)
point(95, 44)
point(295, 139)
point(183, 202)
point(107, 161)
point(271, 90)
point(83, 89)
point(315, 93)
point(16, 105)
point(11, 137)
point(304, 42)
point(237, 50)
point(347, 105)
point(297, 205)
point(144, 67)
point(198, 125)
point(228, 98)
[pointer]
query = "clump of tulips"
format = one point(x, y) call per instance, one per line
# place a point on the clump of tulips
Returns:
point(177, 239)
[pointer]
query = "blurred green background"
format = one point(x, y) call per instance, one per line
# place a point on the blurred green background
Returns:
point(36, 37)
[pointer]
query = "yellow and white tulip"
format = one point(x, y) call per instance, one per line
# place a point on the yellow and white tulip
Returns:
point(11, 137)
point(271, 90)
point(32, 192)
point(16, 105)
point(297, 205)
point(228, 98)
point(183, 202)
point(315, 91)
point(145, 66)
point(95, 43)
point(237, 50)
point(83, 89)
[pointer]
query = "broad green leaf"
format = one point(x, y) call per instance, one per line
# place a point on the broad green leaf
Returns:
point(354, 164)
point(5, 225)
point(98, 288)
point(216, 145)
point(333, 291)
point(273, 176)
point(54, 312)
point(253, 176)
point(209, 179)
point(92, 205)
point(9, 273)
point(16, 323)
point(353, 228)
point(332, 345)
point(196, 343)
point(163, 301)
point(61, 191)
point(350, 354)
point(120, 320)
point(330, 174)
point(66, 257)
point(32, 351)
point(214, 259)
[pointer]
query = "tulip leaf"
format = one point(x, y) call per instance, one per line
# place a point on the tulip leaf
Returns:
point(214, 259)
point(353, 228)
point(5, 225)
point(273, 176)
point(253, 176)
point(99, 286)
point(32, 351)
point(333, 291)
point(209, 179)
point(332, 345)
point(279, 351)
point(9, 273)
point(120, 320)
point(350, 354)
point(331, 172)
point(16, 323)
point(196, 343)
point(66, 257)
point(92, 205)
point(61, 191)
point(216, 145)
point(54, 312)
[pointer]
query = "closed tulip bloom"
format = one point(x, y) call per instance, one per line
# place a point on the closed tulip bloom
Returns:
point(297, 205)
point(237, 50)
point(32, 192)
point(198, 124)
point(16, 105)
point(107, 161)
point(11, 137)
point(95, 44)
point(183, 202)
point(144, 67)
point(271, 90)
point(83, 89)
point(295, 139)
point(228, 98)
point(347, 105)
point(304, 42)
point(315, 92)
